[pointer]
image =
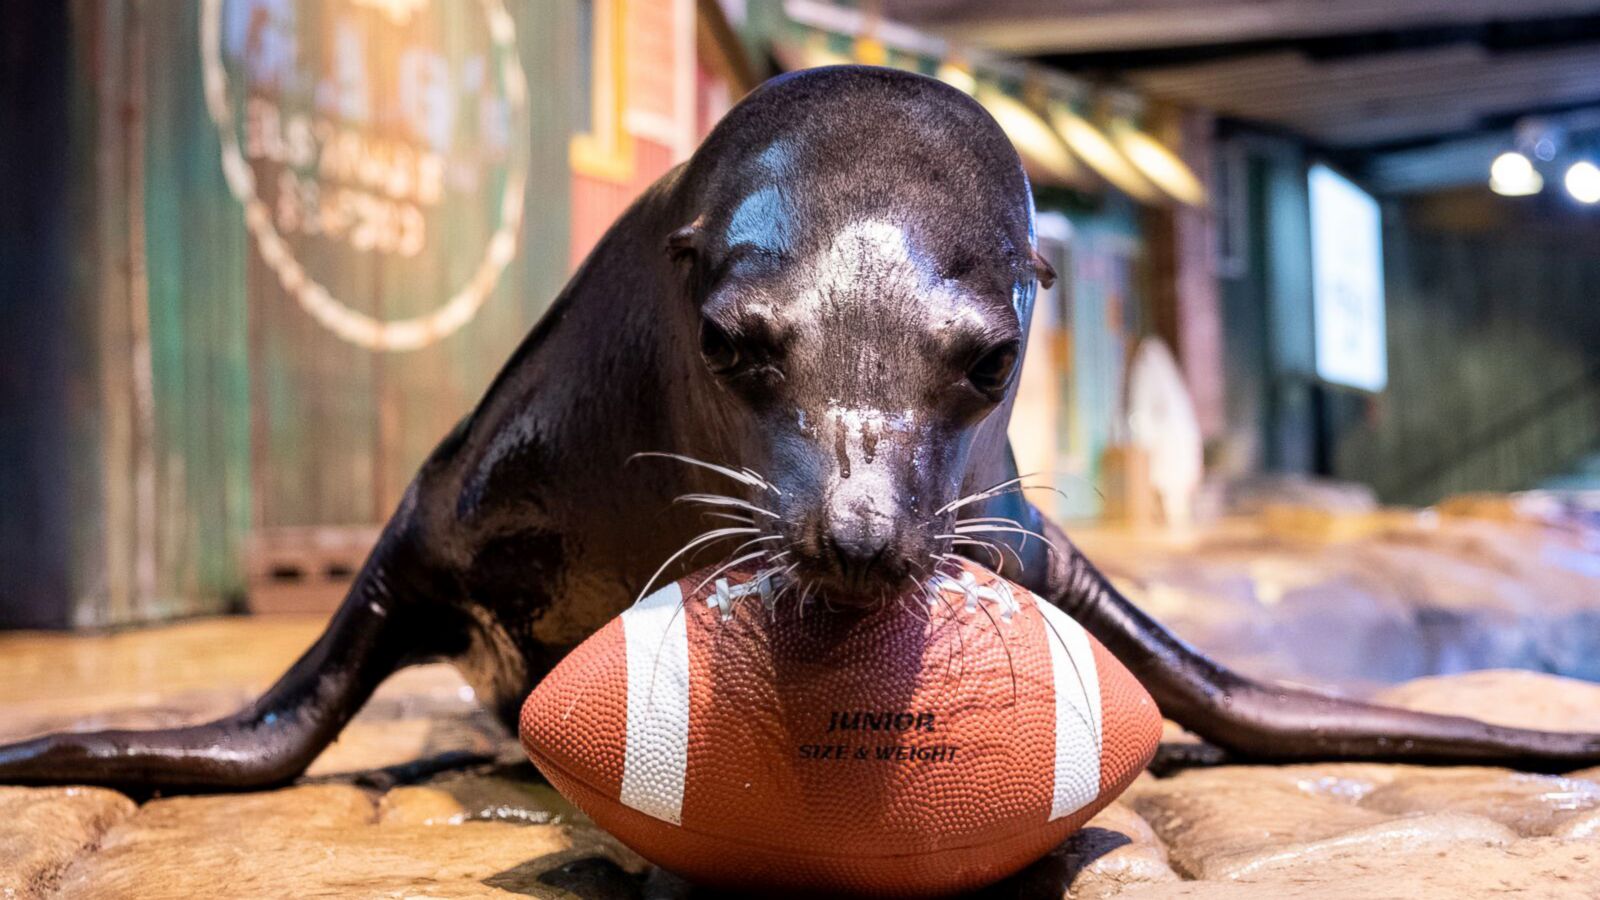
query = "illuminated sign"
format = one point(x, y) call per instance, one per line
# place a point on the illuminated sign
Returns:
point(1347, 282)
point(364, 136)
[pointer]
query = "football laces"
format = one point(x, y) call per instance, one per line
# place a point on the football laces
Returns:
point(997, 594)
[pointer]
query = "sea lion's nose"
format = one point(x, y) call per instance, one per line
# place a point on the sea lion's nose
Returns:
point(860, 546)
point(854, 525)
point(855, 557)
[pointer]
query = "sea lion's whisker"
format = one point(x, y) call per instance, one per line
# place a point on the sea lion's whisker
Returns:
point(989, 520)
point(936, 595)
point(725, 567)
point(960, 535)
point(723, 500)
point(1025, 532)
point(959, 539)
point(954, 562)
point(1010, 486)
point(773, 574)
point(1020, 488)
point(1004, 548)
point(789, 584)
point(767, 573)
point(921, 613)
point(1004, 645)
point(742, 475)
point(704, 538)
point(755, 540)
point(979, 495)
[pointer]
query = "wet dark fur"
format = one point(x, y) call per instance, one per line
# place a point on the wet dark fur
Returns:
point(528, 526)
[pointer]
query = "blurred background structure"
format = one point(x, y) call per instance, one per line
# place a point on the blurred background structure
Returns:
point(260, 255)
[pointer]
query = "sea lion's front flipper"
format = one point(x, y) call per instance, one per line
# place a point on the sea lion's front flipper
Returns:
point(272, 740)
point(1255, 722)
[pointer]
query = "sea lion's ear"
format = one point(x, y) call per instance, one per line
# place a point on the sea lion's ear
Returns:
point(1043, 271)
point(683, 243)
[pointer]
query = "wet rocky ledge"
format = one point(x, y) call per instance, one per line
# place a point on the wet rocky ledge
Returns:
point(425, 797)
point(362, 826)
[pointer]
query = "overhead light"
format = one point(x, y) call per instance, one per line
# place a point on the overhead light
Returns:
point(1583, 182)
point(1513, 175)
point(1094, 148)
point(1043, 155)
point(957, 76)
point(1160, 165)
point(870, 51)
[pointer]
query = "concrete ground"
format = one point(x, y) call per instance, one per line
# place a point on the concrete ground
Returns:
point(1357, 603)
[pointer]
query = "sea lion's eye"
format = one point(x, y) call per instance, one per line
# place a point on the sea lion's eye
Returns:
point(721, 353)
point(992, 371)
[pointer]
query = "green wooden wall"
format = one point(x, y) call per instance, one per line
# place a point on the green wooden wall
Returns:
point(190, 398)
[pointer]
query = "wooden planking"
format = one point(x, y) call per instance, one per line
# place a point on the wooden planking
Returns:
point(148, 454)
point(1089, 25)
point(189, 404)
point(340, 429)
point(1371, 85)
point(162, 530)
point(196, 399)
point(421, 395)
point(193, 247)
point(1270, 77)
point(1385, 97)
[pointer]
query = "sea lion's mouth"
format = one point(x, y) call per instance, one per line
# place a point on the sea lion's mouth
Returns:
point(854, 584)
point(833, 599)
point(859, 560)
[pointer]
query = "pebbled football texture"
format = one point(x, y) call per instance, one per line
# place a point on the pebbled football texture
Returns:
point(927, 746)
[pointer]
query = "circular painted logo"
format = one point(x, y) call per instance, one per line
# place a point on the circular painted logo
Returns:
point(373, 136)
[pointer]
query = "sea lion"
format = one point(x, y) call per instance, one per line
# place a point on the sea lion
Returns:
point(815, 325)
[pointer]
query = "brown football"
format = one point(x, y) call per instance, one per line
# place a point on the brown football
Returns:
point(924, 746)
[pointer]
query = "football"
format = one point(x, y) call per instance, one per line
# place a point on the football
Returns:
point(932, 743)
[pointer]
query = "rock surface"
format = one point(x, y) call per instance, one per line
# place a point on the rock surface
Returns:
point(1385, 597)
point(1330, 830)
point(43, 830)
point(1504, 697)
point(1358, 600)
point(328, 840)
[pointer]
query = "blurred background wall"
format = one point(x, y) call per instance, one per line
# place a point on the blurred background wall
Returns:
point(269, 252)
point(262, 254)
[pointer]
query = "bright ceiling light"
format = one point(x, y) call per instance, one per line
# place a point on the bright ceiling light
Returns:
point(1094, 148)
point(1513, 175)
point(957, 76)
point(1043, 155)
point(1583, 182)
point(870, 51)
point(1159, 165)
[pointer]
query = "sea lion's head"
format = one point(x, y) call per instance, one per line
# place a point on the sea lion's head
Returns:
point(857, 256)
